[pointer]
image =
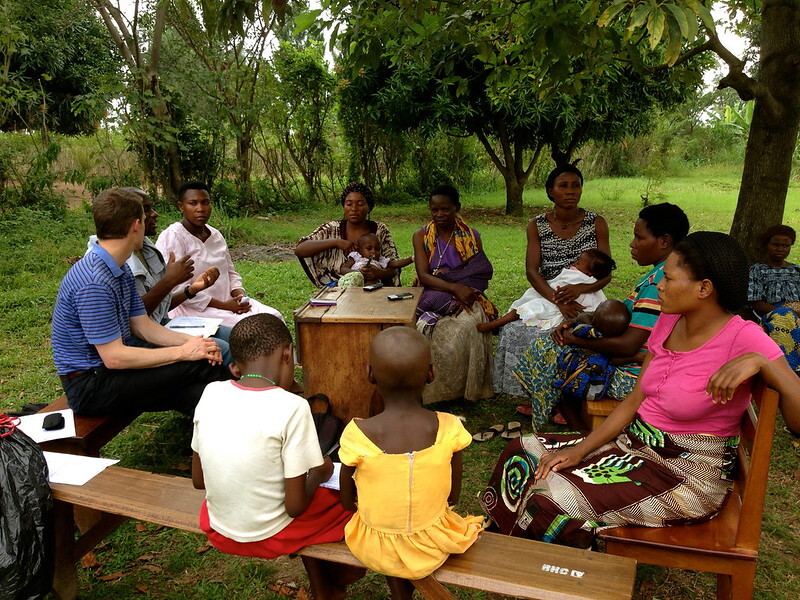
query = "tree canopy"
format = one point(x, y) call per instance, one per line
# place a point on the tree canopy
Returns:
point(522, 77)
point(56, 67)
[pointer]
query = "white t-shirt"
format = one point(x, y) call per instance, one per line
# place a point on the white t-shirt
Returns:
point(249, 441)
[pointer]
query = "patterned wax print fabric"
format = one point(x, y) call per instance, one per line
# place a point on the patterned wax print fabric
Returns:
point(461, 261)
point(461, 357)
point(351, 279)
point(644, 477)
point(557, 254)
point(774, 285)
point(779, 286)
point(323, 268)
point(581, 373)
point(536, 370)
point(404, 526)
point(783, 326)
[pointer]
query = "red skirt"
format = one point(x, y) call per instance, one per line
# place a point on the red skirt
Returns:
point(323, 521)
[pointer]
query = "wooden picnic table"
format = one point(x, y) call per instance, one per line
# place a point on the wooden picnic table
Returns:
point(333, 343)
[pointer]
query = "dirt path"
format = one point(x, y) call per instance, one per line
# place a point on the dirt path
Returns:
point(264, 253)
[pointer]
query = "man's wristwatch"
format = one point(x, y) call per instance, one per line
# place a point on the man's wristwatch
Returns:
point(187, 290)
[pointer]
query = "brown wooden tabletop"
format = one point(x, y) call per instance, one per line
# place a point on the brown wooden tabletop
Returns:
point(333, 343)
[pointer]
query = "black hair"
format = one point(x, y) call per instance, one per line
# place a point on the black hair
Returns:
point(611, 318)
point(359, 188)
point(560, 170)
point(601, 265)
point(449, 191)
point(720, 259)
point(665, 219)
point(367, 236)
point(777, 230)
point(257, 335)
point(139, 191)
point(191, 185)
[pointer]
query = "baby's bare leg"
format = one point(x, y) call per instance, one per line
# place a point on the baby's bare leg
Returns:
point(507, 318)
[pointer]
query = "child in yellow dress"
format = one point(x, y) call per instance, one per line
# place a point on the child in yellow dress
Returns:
point(405, 465)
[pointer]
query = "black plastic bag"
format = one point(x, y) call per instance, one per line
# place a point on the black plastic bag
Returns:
point(27, 546)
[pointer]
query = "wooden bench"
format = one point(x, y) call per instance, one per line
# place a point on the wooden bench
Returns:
point(495, 563)
point(727, 544)
point(594, 412)
point(91, 433)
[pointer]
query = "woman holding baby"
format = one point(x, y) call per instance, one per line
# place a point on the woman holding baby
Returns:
point(323, 252)
point(666, 454)
point(656, 232)
point(556, 239)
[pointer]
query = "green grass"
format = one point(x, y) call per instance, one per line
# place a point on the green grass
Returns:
point(161, 563)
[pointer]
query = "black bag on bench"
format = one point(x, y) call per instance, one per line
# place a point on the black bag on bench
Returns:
point(27, 543)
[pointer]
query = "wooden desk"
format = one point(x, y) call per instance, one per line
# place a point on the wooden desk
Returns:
point(333, 344)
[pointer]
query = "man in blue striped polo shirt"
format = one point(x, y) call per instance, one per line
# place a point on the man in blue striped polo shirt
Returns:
point(98, 310)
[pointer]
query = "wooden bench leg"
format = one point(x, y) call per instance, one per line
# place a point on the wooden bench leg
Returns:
point(65, 576)
point(69, 550)
point(742, 581)
point(432, 589)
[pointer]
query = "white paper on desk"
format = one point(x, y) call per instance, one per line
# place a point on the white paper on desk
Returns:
point(74, 469)
point(194, 325)
point(333, 482)
point(32, 426)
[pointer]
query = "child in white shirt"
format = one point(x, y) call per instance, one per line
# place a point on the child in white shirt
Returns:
point(257, 456)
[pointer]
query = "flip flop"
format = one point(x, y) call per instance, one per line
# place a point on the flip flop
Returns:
point(484, 435)
point(512, 431)
point(525, 409)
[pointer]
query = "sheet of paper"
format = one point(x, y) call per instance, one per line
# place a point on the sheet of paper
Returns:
point(74, 469)
point(194, 325)
point(333, 482)
point(32, 426)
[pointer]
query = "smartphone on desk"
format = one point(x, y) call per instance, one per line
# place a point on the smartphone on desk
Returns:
point(403, 296)
point(372, 287)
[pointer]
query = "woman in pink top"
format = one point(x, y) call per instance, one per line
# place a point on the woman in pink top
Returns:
point(665, 455)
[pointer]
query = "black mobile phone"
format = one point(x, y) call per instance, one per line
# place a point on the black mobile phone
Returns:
point(53, 422)
point(403, 296)
point(372, 287)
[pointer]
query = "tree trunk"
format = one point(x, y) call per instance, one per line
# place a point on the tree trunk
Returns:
point(774, 129)
point(513, 194)
point(244, 167)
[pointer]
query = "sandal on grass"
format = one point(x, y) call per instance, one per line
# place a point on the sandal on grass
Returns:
point(525, 409)
point(484, 435)
point(512, 431)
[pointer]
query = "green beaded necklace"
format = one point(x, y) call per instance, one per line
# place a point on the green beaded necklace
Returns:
point(255, 375)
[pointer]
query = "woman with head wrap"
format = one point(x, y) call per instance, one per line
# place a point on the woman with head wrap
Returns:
point(665, 454)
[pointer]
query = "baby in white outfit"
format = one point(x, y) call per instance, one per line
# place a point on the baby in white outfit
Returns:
point(368, 252)
point(537, 311)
